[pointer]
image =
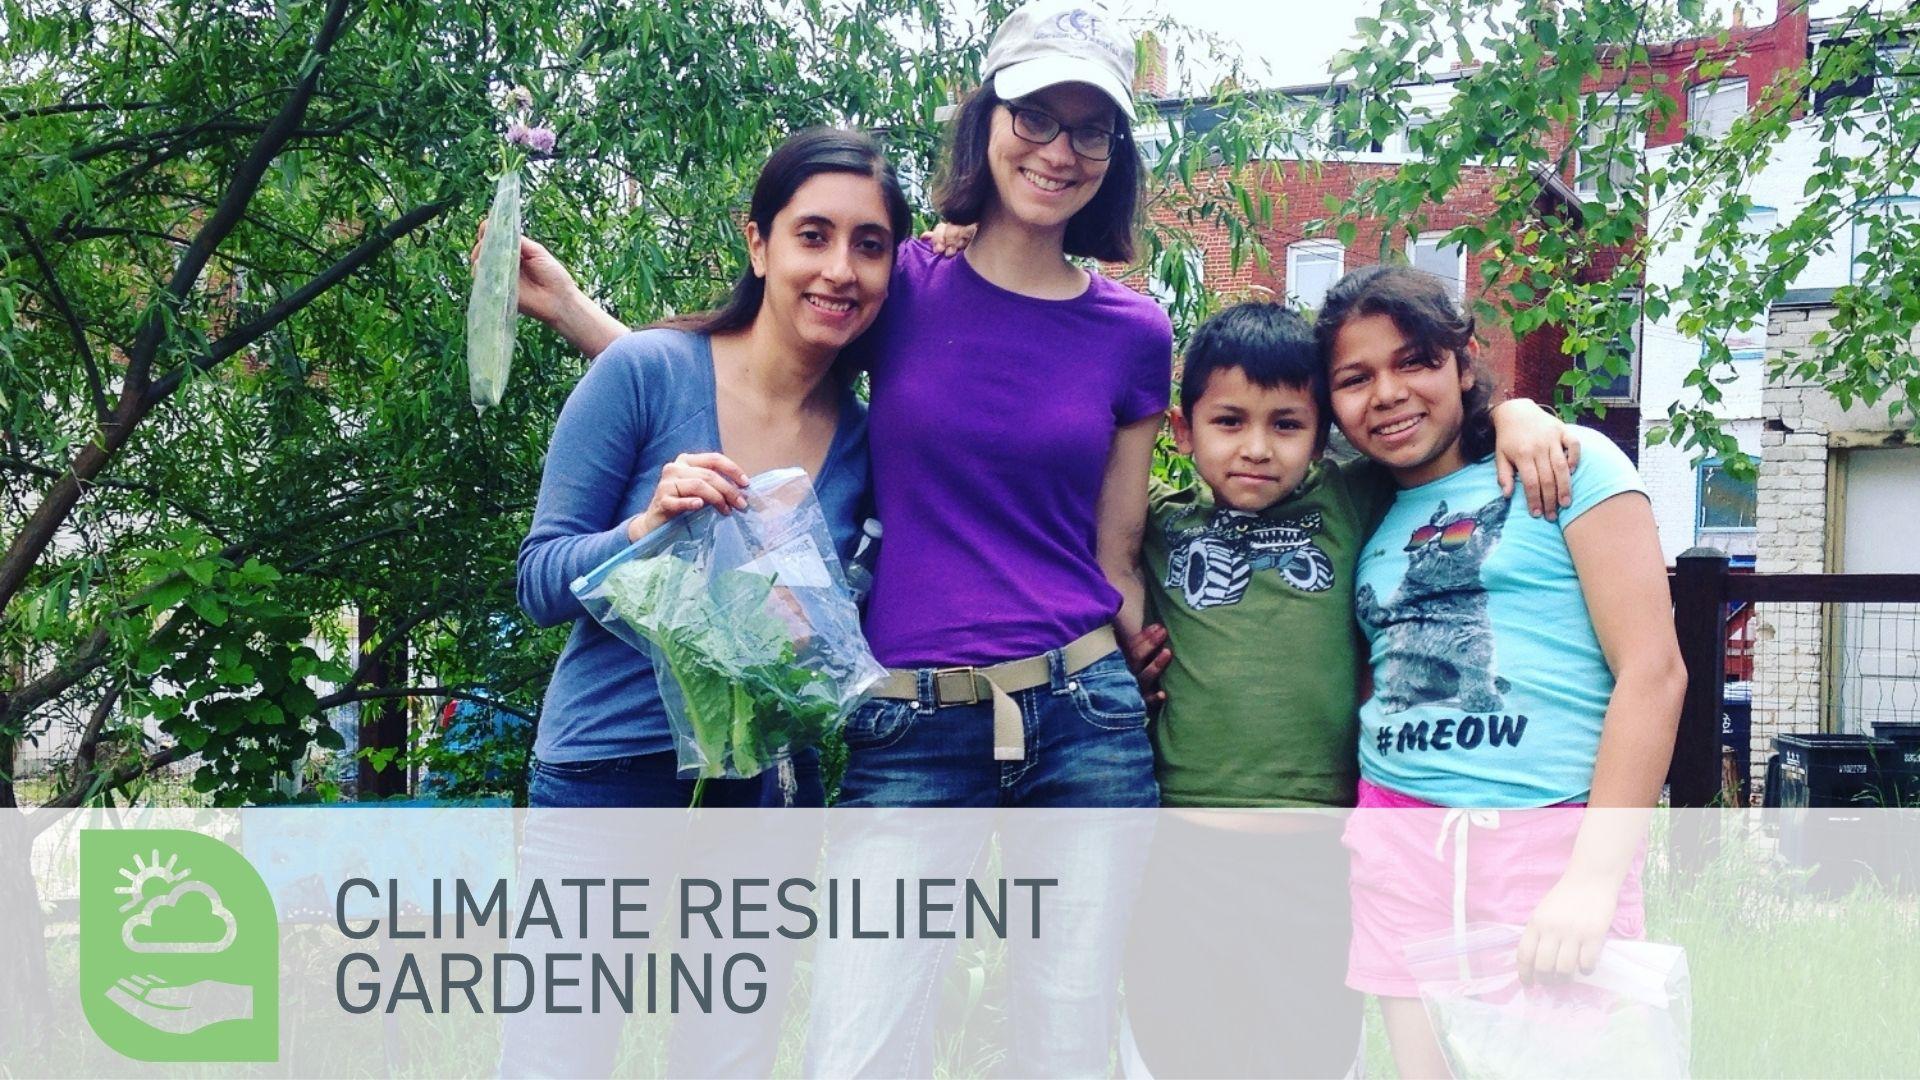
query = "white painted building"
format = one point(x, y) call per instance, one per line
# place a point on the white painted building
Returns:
point(1694, 503)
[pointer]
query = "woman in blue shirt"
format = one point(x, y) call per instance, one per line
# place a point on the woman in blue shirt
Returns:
point(676, 417)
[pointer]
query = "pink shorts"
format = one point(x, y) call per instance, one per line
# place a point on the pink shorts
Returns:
point(1404, 856)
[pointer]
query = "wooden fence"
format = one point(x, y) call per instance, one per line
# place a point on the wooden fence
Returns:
point(1702, 591)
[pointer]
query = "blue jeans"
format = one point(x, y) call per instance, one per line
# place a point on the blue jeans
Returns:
point(1086, 743)
point(566, 838)
point(650, 780)
point(1087, 747)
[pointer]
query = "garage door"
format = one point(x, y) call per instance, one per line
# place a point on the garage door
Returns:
point(1879, 657)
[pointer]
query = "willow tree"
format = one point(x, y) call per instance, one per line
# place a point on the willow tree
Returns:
point(232, 267)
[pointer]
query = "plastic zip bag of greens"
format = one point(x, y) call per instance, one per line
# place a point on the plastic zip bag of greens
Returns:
point(1632, 1016)
point(749, 623)
point(492, 309)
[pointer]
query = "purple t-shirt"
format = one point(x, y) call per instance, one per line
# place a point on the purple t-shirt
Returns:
point(991, 419)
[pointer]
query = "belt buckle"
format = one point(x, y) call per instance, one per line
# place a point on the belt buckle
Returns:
point(971, 674)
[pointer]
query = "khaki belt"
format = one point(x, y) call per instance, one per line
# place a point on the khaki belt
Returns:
point(972, 685)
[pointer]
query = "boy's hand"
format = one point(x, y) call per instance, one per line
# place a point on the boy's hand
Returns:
point(1148, 656)
point(1533, 443)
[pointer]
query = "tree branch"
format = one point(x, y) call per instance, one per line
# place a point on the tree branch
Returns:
point(190, 133)
point(58, 296)
point(25, 701)
point(84, 754)
point(233, 202)
point(347, 697)
point(46, 520)
point(11, 115)
point(241, 337)
point(152, 491)
point(94, 782)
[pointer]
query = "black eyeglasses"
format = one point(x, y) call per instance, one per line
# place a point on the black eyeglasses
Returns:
point(1090, 141)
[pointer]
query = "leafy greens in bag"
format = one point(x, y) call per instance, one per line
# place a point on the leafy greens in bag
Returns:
point(747, 618)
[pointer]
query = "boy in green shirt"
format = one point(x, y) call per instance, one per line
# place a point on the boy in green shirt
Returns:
point(1250, 571)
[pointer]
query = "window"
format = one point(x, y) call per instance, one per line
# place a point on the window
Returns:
point(1713, 107)
point(1153, 140)
point(1605, 116)
point(1401, 142)
point(1749, 342)
point(1725, 502)
point(1429, 254)
point(1312, 268)
point(1624, 388)
point(1878, 216)
point(1881, 77)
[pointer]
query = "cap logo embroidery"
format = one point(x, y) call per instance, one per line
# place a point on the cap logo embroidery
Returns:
point(1077, 25)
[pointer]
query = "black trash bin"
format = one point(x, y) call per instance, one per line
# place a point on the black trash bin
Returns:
point(1834, 770)
point(1736, 734)
point(1904, 766)
point(1834, 791)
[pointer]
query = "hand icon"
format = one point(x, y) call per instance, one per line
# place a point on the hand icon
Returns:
point(181, 1010)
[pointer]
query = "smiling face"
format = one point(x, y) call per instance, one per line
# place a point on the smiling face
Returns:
point(1396, 402)
point(1043, 186)
point(826, 260)
point(1252, 444)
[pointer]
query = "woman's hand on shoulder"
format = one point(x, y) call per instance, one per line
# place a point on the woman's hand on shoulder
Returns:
point(948, 239)
point(688, 483)
point(1535, 445)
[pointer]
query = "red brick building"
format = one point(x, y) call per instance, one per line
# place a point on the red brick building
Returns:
point(1303, 260)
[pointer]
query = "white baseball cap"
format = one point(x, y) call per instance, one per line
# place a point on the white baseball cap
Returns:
point(1049, 42)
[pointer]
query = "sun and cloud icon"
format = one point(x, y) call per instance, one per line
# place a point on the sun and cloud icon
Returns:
point(171, 912)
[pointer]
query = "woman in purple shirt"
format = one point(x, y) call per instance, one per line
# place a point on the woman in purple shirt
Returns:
point(1016, 398)
point(1015, 401)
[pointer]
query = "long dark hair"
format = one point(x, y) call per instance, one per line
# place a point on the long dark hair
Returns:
point(1424, 311)
point(802, 157)
point(1103, 229)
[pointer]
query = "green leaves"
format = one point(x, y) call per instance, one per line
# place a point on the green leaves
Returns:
point(740, 690)
point(1558, 92)
point(333, 466)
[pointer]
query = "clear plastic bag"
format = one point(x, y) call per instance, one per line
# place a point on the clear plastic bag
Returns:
point(1632, 1016)
point(748, 620)
point(493, 306)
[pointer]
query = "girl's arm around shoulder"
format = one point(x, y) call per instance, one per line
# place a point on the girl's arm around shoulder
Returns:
point(1121, 519)
point(1623, 578)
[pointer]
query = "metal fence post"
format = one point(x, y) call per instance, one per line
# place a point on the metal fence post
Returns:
point(1700, 620)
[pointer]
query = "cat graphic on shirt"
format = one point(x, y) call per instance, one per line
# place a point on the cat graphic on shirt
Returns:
point(1434, 636)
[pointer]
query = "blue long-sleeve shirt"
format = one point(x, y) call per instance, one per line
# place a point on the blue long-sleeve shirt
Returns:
point(646, 400)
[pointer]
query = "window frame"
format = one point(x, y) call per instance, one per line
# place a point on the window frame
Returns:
point(1620, 105)
point(1700, 527)
point(1700, 93)
point(1460, 274)
point(1631, 397)
point(1861, 211)
point(1312, 248)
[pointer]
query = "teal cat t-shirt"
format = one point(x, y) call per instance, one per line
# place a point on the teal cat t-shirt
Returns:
point(1489, 686)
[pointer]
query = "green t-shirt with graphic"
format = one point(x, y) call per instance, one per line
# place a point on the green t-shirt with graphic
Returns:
point(1258, 608)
